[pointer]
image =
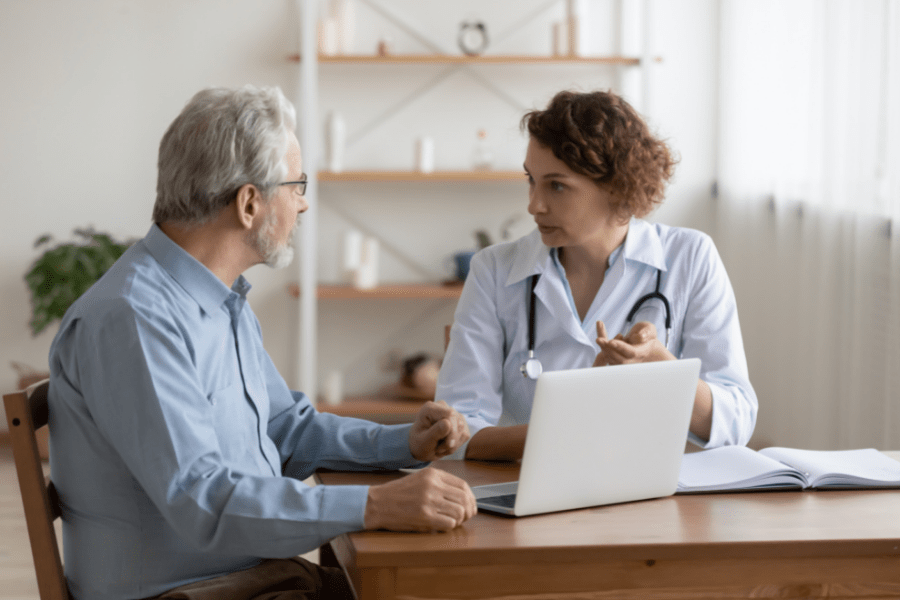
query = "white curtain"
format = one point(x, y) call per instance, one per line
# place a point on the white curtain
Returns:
point(809, 214)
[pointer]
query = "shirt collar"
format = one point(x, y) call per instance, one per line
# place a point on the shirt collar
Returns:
point(199, 282)
point(642, 244)
point(532, 257)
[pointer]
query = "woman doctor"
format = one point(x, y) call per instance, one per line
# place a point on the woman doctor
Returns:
point(594, 170)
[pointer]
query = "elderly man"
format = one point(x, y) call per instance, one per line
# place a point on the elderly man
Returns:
point(177, 448)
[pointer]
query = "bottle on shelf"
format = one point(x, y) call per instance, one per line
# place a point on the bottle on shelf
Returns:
point(482, 157)
point(425, 154)
point(360, 260)
point(353, 241)
point(343, 12)
point(335, 140)
point(366, 276)
point(560, 38)
point(572, 27)
point(328, 39)
point(385, 47)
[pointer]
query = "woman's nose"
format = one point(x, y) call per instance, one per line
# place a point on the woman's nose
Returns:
point(535, 205)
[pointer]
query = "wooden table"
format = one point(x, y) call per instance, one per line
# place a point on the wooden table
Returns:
point(806, 544)
point(384, 410)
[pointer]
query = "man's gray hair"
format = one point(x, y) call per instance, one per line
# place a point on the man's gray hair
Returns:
point(223, 139)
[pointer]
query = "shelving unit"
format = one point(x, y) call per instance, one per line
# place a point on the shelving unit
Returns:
point(626, 57)
point(437, 176)
point(472, 60)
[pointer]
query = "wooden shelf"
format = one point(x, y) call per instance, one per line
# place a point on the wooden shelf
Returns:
point(394, 291)
point(444, 176)
point(473, 60)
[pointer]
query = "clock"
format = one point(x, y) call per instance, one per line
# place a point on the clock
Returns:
point(473, 38)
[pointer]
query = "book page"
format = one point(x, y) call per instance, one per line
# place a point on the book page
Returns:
point(841, 468)
point(734, 468)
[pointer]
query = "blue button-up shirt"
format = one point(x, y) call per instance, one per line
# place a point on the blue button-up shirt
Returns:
point(480, 375)
point(176, 447)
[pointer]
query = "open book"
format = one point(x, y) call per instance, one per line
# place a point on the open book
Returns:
point(740, 468)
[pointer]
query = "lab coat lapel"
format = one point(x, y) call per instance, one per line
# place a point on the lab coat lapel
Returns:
point(552, 296)
point(553, 308)
point(642, 246)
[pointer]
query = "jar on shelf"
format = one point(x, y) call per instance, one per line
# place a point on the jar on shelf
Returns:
point(482, 156)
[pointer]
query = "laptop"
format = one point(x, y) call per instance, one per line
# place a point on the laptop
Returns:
point(601, 435)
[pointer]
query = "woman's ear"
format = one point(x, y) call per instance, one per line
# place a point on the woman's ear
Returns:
point(248, 205)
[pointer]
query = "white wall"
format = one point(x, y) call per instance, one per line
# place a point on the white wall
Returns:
point(91, 86)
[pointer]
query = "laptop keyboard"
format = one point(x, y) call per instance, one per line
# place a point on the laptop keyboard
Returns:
point(506, 500)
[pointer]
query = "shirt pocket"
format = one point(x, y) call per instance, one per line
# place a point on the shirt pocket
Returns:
point(224, 394)
point(235, 422)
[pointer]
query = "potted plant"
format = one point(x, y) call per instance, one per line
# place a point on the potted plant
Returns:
point(58, 277)
point(62, 273)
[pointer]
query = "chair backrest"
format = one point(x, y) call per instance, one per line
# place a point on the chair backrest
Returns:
point(26, 412)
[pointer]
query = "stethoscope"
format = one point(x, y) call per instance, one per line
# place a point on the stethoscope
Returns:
point(532, 367)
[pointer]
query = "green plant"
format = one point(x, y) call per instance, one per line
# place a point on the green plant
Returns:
point(64, 272)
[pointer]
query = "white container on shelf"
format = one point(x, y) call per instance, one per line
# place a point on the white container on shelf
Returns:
point(353, 242)
point(573, 27)
point(366, 276)
point(482, 156)
point(425, 155)
point(343, 12)
point(328, 37)
point(335, 142)
point(560, 38)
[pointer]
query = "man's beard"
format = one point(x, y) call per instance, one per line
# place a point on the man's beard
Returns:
point(263, 241)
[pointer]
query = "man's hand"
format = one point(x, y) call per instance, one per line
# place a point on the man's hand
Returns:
point(640, 345)
point(427, 500)
point(438, 431)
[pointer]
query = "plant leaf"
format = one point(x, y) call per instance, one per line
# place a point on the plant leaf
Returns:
point(61, 274)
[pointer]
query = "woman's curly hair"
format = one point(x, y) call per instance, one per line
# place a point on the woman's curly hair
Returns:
point(600, 135)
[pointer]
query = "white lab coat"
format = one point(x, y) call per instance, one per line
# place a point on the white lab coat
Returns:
point(480, 375)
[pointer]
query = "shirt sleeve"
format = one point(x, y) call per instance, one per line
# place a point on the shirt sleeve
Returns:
point(308, 440)
point(712, 333)
point(139, 382)
point(471, 376)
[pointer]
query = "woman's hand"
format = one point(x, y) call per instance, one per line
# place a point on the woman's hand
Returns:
point(640, 345)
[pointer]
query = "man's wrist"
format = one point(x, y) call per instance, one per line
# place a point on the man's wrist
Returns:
point(370, 517)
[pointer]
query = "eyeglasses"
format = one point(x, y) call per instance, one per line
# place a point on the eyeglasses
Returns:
point(301, 185)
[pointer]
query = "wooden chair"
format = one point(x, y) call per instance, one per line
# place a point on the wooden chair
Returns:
point(26, 412)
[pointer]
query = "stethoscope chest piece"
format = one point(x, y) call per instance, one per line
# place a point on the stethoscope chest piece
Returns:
point(532, 368)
